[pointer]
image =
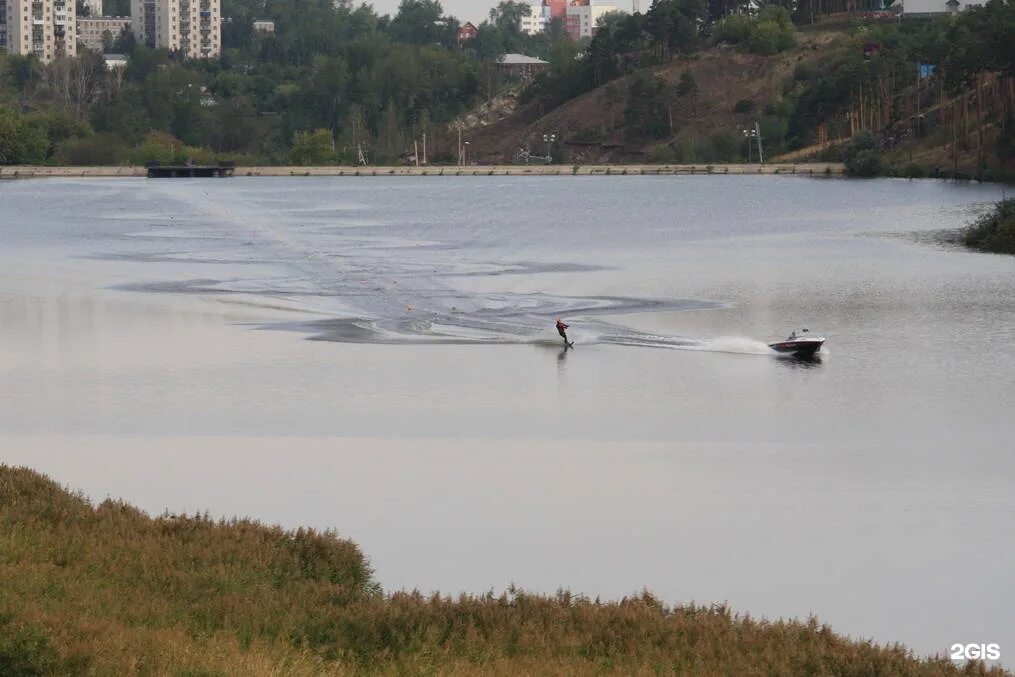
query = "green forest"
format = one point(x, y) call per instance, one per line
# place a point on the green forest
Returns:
point(334, 80)
point(339, 84)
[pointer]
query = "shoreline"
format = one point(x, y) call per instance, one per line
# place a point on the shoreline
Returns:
point(803, 169)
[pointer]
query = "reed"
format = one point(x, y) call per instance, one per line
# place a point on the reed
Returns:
point(106, 589)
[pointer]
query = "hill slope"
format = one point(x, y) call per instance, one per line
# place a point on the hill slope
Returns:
point(809, 102)
point(593, 126)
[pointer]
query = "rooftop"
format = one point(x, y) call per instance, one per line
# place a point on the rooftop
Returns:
point(520, 60)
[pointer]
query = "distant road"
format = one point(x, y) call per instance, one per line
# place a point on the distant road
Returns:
point(806, 169)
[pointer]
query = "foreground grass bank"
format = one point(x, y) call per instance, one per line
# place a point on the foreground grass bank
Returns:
point(994, 231)
point(110, 590)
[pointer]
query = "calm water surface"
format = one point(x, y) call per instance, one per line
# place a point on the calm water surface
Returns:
point(378, 355)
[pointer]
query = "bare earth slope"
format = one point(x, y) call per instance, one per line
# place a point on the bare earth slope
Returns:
point(592, 125)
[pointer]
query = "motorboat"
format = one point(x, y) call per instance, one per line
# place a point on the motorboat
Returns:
point(799, 345)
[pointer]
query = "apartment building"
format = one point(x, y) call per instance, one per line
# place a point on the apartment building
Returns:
point(537, 18)
point(91, 30)
point(191, 27)
point(557, 9)
point(930, 8)
point(44, 28)
point(583, 15)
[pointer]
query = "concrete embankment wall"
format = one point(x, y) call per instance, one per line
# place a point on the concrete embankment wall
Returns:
point(31, 171)
point(805, 169)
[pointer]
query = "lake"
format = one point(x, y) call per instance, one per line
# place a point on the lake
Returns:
point(378, 355)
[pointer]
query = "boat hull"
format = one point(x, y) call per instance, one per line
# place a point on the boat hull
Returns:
point(798, 347)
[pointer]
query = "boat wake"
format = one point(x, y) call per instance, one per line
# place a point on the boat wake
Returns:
point(383, 283)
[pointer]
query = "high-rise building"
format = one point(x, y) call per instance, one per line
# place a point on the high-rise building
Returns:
point(583, 16)
point(557, 8)
point(45, 28)
point(191, 27)
point(535, 21)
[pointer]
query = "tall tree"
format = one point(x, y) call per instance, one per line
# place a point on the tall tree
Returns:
point(419, 22)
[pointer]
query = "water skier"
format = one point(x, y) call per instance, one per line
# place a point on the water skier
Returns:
point(562, 330)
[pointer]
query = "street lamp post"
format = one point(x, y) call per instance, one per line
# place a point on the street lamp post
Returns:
point(749, 134)
point(549, 139)
point(753, 135)
point(465, 154)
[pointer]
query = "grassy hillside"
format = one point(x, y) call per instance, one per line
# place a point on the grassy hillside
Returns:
point(110, 590)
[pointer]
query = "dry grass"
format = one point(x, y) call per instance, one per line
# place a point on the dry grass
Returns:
point(110, 590)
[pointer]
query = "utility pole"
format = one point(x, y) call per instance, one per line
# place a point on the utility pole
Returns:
point(460, 162)
point(761, 153)
point(424, 148)
point(917, 118)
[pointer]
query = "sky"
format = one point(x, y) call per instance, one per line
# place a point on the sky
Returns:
point(468, 10)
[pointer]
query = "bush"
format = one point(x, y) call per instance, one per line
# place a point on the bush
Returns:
point(21, 140)
point(167, 149)
point(647, 113)
point(770, 32)
point(735, 29)
point(312, 148)
point(771, 37)
point(157, 147)
point(724, 147)
point(913, 171)
point(662, 155)
point(744, 106)
point(24, 650)
point(686, 149)
point(866, 164)
point(861, 156)
point(994, 232)
point(773, 135)
point(805, 71)
point(101, 149)
point(719, 147)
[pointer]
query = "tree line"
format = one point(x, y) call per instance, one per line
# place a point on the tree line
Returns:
point(335, 82)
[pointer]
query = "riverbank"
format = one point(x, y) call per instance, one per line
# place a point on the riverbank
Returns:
point(804, 169)
point(107, 588)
